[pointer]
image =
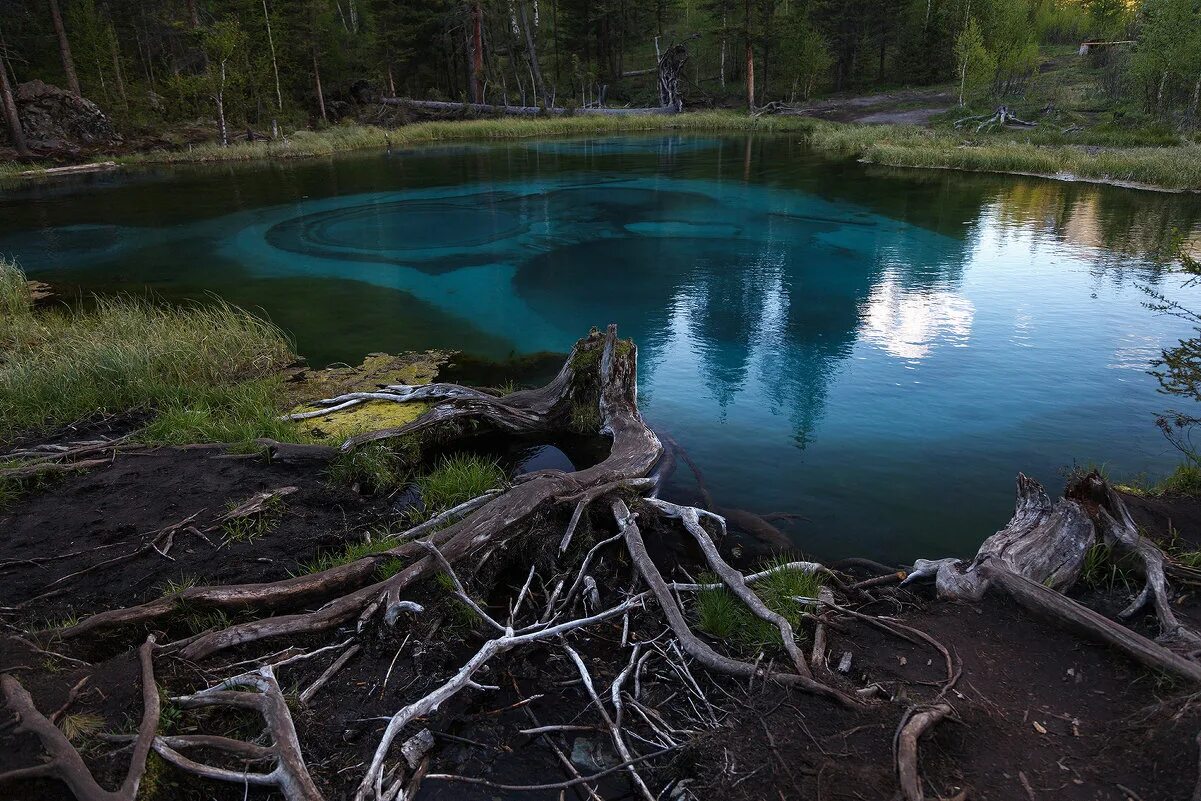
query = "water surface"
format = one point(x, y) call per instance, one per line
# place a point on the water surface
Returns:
point(878, 351)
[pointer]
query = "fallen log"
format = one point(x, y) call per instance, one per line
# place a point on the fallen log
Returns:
point(522, 111)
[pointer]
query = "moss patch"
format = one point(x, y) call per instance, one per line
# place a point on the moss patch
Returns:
point(377, 370)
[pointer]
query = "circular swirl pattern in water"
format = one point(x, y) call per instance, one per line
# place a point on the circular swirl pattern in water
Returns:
point(391, 230)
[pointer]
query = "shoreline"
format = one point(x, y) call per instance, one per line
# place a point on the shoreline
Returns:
point(1153, 168)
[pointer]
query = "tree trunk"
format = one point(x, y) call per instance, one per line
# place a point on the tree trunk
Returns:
point(193, 15)
point(750, 75)
point(477, 54)
point(532, 53)
point(317, 80)
point(220, 97)
point(279, 96)
point(64, 49)
point(750, 57)
point(15, 133)
point(391, 82)
point(117, 71)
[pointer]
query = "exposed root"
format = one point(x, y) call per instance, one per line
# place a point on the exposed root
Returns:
point(65, 763)
point(289, 774)
point(695, 646)
point(913, 726)
point(606, 376)
point(690, 517)
point(1048, 602)
point(1119, 531)
point(1001, 118)
point(1041, 553)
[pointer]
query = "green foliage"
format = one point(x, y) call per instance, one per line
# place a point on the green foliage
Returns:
point(1165, 66)
point(723, 616)
point(373, 468)
point(456, 479)
point(1101, 570)
point(975, 63)
point(238, 415)
point(15, 301)
point(175, 586)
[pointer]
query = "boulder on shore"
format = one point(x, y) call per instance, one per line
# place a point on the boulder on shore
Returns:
point(56, 121)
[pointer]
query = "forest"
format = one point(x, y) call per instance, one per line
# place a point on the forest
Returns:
point(152, 64)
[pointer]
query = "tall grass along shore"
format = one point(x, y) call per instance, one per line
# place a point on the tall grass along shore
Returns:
point(1175, 167)
point(199, 373)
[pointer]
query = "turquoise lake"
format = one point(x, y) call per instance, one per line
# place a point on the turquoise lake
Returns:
point(879, 351)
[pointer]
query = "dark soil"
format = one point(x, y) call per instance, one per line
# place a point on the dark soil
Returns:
point(111, 510)
point(1039, 713)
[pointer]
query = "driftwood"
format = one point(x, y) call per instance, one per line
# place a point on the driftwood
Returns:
point(1034, 558)
point(289, 774)
point(912, 727)
point(1001, 118)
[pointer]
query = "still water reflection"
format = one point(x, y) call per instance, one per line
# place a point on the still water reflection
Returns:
point(878, 351)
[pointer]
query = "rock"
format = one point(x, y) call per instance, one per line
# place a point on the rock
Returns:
point(417, 747)
point(593, 754)
point(54, 120)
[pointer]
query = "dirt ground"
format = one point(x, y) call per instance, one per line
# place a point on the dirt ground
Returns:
point(900, 107)
point(1039, 712)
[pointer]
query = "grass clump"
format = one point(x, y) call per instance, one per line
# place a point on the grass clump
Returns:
point(248, 528)
point(720, 614)
point(1184, 480)
point(373, 468)
point(204, 373)
point(457, 479)
point(15, 298)
point(373, 545)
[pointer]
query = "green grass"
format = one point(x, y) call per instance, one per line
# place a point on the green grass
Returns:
point(237, 414)
point(1184, 480)
point(373, 468)
point(720, 614)
point(374, 544)
point(15, 300)
point(456, 479)
point(1176, 167)
point(203, 372)
point(175, 586)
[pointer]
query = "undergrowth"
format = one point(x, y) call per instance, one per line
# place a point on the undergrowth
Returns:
point(374, 543)
point(372, 468)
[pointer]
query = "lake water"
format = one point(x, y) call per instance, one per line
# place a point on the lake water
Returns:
point(879, 351)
